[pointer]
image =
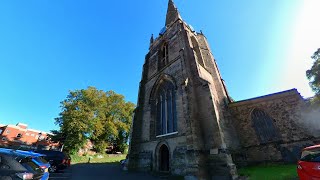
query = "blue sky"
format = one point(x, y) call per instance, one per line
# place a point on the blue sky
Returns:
point(50, 47)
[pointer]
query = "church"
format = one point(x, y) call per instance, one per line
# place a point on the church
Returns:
point(186, 123)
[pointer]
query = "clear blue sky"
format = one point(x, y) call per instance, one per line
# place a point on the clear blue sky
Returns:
point(50, 47)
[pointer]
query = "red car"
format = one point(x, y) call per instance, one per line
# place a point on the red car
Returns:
point(309, 163)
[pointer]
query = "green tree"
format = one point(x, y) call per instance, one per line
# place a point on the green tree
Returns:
point(94, 114)
point(57, 136)
point(313, 75)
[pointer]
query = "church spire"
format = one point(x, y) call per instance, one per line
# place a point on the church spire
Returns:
point(172, 13)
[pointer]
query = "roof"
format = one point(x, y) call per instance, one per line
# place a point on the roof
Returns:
point(15, 127)
point(21, 124)
point(23, 129)
point(276, 95)
point(30, 153)
point(13, 153)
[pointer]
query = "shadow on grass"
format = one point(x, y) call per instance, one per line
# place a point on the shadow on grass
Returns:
point(107, 170)
point(113, 170)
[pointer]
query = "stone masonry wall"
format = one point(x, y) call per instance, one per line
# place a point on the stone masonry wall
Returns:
point(285, 110)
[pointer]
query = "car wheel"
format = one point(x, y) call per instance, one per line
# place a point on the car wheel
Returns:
point(53, 168)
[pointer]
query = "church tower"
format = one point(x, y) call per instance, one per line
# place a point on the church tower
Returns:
point(181, 124)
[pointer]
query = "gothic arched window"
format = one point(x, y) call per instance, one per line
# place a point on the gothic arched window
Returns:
point(166, 109)
point(264, 126)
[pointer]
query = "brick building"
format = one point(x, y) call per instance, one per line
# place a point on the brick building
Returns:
point(187, 124)
point(20, 135)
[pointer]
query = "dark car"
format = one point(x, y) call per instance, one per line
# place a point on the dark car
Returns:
point(58, 160)
point(14, 166)
point(309, 163)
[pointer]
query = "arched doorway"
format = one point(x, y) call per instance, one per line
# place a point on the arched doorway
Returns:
point(164, 158)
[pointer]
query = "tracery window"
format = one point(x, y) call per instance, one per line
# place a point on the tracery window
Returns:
point(264, 126)
point(166, 109)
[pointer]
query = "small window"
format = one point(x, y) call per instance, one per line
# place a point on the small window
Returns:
point(47, 138)
point(27, 134)
point(19, 135)
point(8, 131)
point(4, 139)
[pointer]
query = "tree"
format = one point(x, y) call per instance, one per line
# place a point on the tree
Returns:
point(57, 136)
point(313, 75)
point(102, 117)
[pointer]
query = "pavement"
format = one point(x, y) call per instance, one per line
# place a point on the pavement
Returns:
point(99, 172)
point(62, 175)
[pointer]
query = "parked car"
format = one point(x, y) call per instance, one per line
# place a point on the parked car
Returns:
point(309, 163)
point(14, 166)
point(58, 160)
point(39, 160)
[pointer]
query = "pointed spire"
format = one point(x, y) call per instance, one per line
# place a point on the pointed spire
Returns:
point(172, 13)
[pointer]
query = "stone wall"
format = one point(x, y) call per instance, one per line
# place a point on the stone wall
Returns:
point(285, 110)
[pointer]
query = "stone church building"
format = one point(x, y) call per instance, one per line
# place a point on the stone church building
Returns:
point(187, 124)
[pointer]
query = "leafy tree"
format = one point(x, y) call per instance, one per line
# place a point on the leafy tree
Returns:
point(94, 114)
point(57, 136)
point(313, 75)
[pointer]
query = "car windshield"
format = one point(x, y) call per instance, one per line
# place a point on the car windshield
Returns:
point(311, 155)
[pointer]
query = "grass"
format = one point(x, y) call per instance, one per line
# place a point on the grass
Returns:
point(270, 172)
point(98, 158)
point(260, 172)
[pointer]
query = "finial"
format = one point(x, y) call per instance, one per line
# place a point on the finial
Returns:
point(151, 39)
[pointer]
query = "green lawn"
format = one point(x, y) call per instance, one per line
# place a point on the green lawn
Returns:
point(270, 172)
point(99, 158)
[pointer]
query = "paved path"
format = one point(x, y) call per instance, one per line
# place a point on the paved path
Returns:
point(99, 172)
